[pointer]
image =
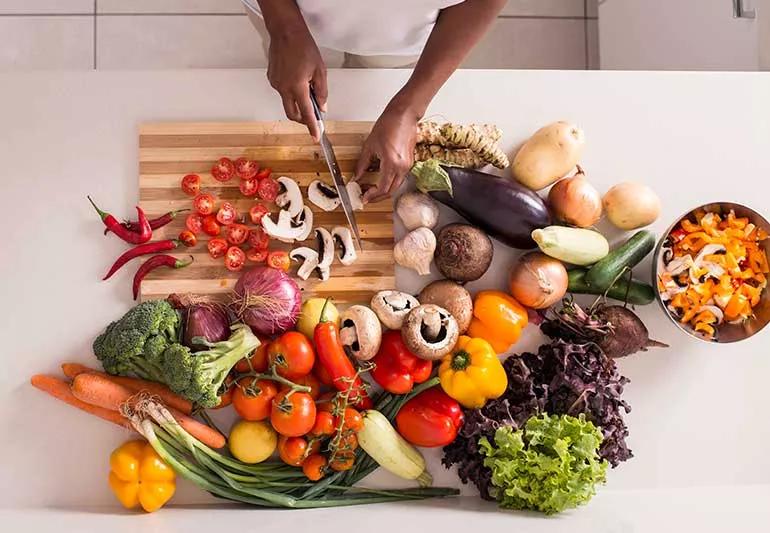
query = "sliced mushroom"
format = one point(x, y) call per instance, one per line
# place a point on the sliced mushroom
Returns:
point(430, 332)
point(360, 332)
point(323, 272)
point(309, 258)
point(291, 197)
point(283, 229)
point(356, 195)
point(322, 195)
point(343, 238)
point(392, 307)
point(306, 218)
point(325, 247)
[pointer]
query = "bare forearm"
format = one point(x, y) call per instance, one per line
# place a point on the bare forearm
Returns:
point(456, 32)
point(281, 17)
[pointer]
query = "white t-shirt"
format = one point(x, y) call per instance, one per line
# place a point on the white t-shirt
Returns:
point(370, 27)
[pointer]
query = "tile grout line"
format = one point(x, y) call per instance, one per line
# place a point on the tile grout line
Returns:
point(95, 19)
point(585, 34)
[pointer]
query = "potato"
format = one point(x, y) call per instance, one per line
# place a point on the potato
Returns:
point(631, 205)
point(548, 155)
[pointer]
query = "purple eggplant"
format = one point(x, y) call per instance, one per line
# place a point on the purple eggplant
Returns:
point(499, 206)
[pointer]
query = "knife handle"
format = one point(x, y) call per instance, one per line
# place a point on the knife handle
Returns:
point(317, 111)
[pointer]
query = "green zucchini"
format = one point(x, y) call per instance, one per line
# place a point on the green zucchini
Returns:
point(638, 293)
point(628, 255)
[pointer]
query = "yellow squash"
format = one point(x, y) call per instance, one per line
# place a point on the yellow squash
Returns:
point(139, 477)
point(472, 374)
point(497, 318)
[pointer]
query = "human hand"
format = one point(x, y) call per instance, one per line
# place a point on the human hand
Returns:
point(294, 64)
point(392, 141)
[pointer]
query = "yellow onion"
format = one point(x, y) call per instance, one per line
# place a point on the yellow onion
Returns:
point(538, 281)
point(575, 201)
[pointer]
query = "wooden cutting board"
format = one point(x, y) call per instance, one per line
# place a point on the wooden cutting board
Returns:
point(168, 151)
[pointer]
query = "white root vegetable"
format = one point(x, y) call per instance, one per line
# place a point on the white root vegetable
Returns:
point(572, 245)
point(417, 210)
point(551, 153)
point(631, 205)
point(416, 250)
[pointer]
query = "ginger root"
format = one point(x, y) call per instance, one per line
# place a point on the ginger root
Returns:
point(470, 146)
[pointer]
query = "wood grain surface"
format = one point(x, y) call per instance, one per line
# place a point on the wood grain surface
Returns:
point(168, 151)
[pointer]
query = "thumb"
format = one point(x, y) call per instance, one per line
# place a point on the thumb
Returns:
point(363, 162)
point(320, 87)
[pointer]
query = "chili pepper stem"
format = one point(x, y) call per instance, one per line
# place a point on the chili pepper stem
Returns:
point(102, 214)
point(322, 319)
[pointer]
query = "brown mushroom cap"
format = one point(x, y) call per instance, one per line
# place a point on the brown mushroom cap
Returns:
point(360, 332)
point(451, 296)
point(430, 332)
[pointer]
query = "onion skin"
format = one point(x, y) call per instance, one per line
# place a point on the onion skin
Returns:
point(266, 299)
point(575, 201)
point(538, 281)
point(207, 320)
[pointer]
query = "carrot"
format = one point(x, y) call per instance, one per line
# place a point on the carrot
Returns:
point(168, 397)
point(101, 391)
point(60, 389)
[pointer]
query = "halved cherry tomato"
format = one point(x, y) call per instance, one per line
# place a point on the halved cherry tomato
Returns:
point(342, 462)
point(236, 233)
point(188, 238)
point(223, 170)
point(246, 168)
point(257, 362)
point(191, 184)
point(226, 214)
point(256, 213)
point(264, 173)
point(291, 355)
point(268, 189)
point(211, 226)
point(323, 425)
point(253, 399)
point(293, 450)
point(194, 223)
point(234, 259)
point(217, 248)
point(314, 467)
point(279, 259)
point(293, 415)
point(249, 187)
point(204, 203)
point(258, 239)
point(257, 256)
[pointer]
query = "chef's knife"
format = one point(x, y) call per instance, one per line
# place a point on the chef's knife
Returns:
point(334, 168)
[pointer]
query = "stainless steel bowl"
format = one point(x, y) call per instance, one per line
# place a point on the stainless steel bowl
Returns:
point(727, 332)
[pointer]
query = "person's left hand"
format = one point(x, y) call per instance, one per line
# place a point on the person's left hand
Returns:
point(392, 141)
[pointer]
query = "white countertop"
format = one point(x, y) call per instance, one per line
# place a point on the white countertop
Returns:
point(699, 417)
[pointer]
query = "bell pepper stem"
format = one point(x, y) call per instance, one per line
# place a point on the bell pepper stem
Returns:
point(460, 360)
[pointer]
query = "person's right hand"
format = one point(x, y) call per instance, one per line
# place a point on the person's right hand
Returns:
point(294, 64)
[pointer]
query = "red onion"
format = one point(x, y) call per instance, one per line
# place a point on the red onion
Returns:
point(207, 320)
point(266, 299)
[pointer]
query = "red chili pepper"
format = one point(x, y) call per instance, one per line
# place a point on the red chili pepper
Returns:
point(142, 249)
point(332, 357)
point(430, 419)
point(133, 237)
point(396, 369)
point(154, 262)
point(155, 223)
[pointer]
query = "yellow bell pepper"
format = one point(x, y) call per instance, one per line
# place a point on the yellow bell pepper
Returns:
point(472, 374)
point(498, 319)
point(139, 477)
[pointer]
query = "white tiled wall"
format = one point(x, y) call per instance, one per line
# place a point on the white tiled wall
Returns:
point(149, 34)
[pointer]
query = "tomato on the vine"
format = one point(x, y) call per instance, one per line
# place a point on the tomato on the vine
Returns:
point(309, 380)
point(194, 223)
point(211, 226)
point(191, 184)
point(204, 203)
point(342, 462)
point(268, 189)
point(293, 415)
point(246, 168)
point(234, 259)
point(323, 425)
point(236, 233)
point(352, 420)
point(292, 450)
point(252, 399)
point(256, 213)
point(291, 355)
point(258, 239)
point(226, 214)
point(223, 170)
point(217, 247)
point(257, 256)
point(314, 467)
point(279, 259)
point(249, 187)
point(188, 238)
point(256, 362)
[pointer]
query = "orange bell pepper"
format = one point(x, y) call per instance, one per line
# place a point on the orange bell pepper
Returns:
point(497, 318)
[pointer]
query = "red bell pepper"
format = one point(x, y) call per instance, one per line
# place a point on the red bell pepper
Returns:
point(396, 368)
point(430, 419)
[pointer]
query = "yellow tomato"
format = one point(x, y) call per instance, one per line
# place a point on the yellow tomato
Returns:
point(310, 315)
point(252, 442)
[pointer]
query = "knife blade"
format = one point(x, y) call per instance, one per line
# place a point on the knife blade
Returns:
point(334, 169)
